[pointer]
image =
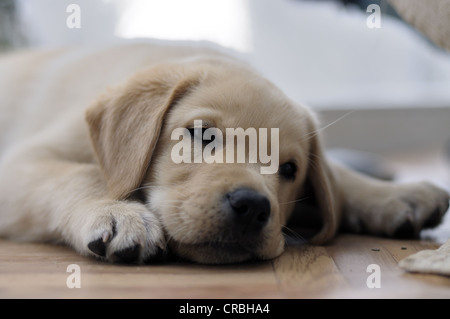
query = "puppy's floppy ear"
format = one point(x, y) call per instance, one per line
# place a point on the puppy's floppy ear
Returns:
point(321, 182)
point(125, 124)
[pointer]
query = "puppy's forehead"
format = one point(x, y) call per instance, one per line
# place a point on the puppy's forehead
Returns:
point(242, 99)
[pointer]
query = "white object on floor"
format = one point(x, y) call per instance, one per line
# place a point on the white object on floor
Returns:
point(429, 261)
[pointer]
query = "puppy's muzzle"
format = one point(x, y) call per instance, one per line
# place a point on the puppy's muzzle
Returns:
point(247, 211)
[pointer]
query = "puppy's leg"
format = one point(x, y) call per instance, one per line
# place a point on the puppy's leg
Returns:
point(48, 199)
point(385, 208)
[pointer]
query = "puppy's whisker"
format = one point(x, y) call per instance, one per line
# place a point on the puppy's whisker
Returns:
point(180, 235)
point(312, 158)
point(316, 132)
point(158, 186)
point(174, 201)
point(137, 189)
point(295, 201)
point(143, 187)
point(293, 234)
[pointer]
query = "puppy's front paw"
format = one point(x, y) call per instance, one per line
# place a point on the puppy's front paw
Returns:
point(124, 232)
point(416, 207)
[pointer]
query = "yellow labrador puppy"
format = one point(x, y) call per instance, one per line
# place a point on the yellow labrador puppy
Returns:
point(126, 152)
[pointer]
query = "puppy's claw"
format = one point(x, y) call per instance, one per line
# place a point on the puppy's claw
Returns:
point(98, 247)
point(105, 237)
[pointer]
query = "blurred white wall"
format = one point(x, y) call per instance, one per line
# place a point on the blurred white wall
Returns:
point(223, 21)
point(45, 22)
point(318, 52)
point(326, 55)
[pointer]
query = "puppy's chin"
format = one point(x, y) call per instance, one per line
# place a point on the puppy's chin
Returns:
point(220, 253)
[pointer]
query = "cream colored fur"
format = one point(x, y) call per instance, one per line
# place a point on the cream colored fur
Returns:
point(84, 130)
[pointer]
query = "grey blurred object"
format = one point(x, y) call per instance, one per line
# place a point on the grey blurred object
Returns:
point(11, 35)
point(447, 150)
point(364, 162)
point(431, 17)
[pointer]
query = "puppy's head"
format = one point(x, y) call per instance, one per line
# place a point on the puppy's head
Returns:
point(214, 206)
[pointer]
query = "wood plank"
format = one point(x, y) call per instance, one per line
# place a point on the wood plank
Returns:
point(40, 271)
point(353, 254)
point(305, 271)
point(334, 271)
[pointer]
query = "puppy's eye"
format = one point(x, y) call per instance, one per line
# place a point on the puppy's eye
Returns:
point(288, 170)
point(204, 141)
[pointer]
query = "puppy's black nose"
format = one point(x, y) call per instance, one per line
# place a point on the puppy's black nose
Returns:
point(249, 210)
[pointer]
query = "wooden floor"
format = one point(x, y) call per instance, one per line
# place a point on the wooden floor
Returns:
point(338, 270)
